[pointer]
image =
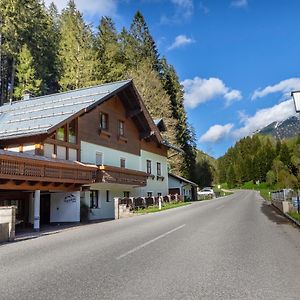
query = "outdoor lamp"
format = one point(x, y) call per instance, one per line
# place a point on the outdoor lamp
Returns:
point(296, 98)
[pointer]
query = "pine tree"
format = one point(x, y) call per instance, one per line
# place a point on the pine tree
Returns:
point(285, 155)
point(230, 177)
point(277, 166)
point(157, 102)
point(26, 22)
point(184, 133)
point(270, 178)
point(26, 74)
point(76, 50)
point(109, 52)
point(140, 44)
point(278, 147)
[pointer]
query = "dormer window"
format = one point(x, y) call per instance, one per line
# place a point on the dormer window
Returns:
point(121, 128)
point(104, 121)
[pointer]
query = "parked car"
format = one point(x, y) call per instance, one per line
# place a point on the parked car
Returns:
point(207, 191)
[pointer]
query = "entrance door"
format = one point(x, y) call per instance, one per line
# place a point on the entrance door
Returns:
point(45, 209)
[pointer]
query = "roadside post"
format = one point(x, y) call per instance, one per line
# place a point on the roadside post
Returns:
point(296, 99)
point(159, 202)
point(298, 203)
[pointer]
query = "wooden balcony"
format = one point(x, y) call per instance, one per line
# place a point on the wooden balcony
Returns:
point(25, 172)
point(109, 174)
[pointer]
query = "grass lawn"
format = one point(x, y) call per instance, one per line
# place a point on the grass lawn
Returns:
point(294, 215)
point(263, 188)
point(152, 209)
point(221, 192)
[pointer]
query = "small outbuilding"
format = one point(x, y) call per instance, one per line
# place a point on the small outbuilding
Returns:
point(182, 186)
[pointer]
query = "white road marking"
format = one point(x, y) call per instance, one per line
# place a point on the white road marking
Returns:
point(149, 242)
point(220, 206)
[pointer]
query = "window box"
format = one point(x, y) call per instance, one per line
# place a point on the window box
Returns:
point(122, 138)
point(104, 132)
point(160, 178)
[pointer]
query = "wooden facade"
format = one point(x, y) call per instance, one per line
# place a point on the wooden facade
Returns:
point(109, 174)
point(140, 133)
point(90, 131)
point(19, 172)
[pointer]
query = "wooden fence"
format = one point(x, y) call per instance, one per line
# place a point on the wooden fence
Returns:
point(143, 202)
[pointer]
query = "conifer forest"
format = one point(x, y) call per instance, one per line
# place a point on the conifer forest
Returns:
point(45, 51)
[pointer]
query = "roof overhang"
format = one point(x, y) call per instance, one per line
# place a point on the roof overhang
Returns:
point(183, 179)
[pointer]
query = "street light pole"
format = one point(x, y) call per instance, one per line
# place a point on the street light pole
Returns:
point(296, 98)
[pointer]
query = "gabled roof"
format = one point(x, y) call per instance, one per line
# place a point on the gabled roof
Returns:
point(160, 124)
point(182, 179)
point(39, 115)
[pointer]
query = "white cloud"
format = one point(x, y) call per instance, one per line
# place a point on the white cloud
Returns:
point(201, 90)
point(284, 87)
point(183, 10)
point(90, 7)
point(232, 96)
point(250, 124)
point(264, 117)
point(180, 41)
point(216, 133)
point(185, 6)
point(239, 3)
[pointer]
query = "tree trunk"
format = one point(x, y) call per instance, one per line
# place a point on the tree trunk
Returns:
point(13, 73)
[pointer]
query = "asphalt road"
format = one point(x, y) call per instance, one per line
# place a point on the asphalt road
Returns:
point(231, 248)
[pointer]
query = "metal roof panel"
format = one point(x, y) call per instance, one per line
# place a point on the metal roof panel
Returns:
point(39, 114)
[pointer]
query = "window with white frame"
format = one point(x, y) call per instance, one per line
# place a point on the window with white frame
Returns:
point(158, 168)
point(103, 121)
point(121, 128)
point(99, 158)
point(149, 171)
point(107, 196)
point(123, 162)
point(94, 199)
point(149, 194)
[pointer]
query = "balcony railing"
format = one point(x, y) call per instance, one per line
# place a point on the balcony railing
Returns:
point(109, 174)
point(16, 166)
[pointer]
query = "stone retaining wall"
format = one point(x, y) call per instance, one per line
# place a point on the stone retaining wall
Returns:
point(283, 206)
point(7, 223)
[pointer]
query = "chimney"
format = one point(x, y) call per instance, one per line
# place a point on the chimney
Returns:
point(27, 95)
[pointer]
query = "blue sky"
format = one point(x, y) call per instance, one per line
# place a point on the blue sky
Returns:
point(238, 60)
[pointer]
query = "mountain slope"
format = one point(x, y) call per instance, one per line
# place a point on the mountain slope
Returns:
point(282, 130)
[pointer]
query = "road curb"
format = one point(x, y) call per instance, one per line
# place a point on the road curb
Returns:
point(285, 214)
point(292, 219)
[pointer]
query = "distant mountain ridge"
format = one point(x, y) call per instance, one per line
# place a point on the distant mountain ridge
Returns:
point(282, 130)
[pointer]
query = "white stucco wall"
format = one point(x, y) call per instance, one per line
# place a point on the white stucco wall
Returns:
point(65, 207)
point(174, 183)
point(111, 157)
point(154, 185)
point(106, 210)
point(187, 190)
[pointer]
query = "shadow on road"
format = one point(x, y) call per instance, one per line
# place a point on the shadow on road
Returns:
point(273, 214)
point(47, 230)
